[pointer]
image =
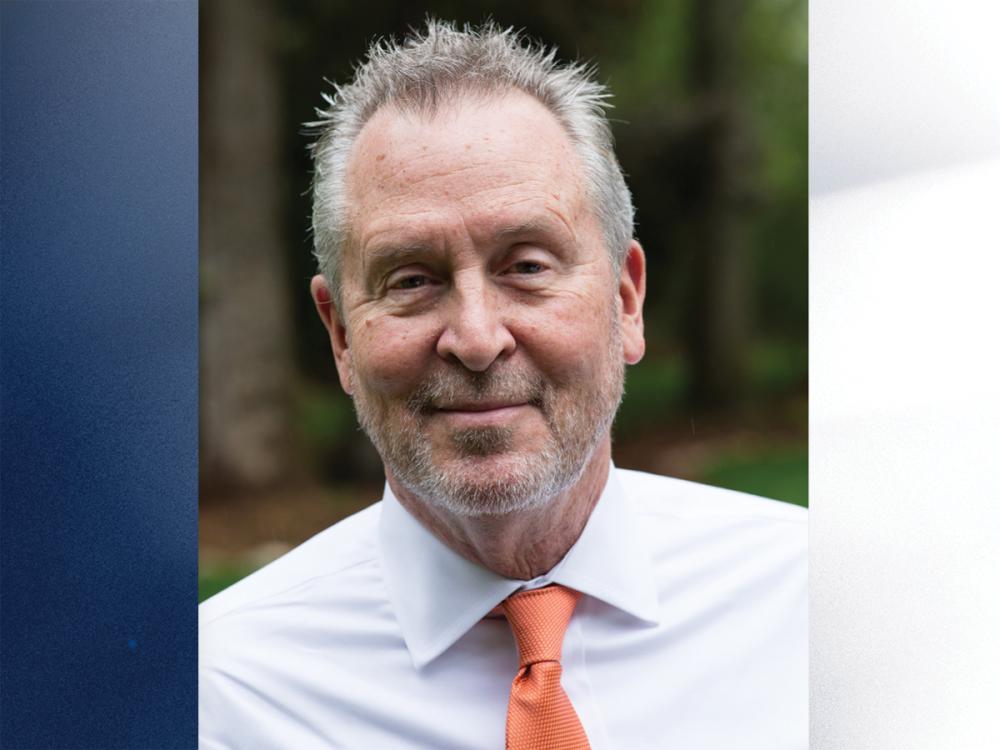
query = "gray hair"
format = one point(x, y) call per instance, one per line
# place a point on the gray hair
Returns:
point(442, 64)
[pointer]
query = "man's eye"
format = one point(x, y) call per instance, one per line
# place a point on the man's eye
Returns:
point(527, 267)
point(410, 282)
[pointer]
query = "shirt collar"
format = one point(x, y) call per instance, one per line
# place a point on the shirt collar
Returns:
point(438, 595)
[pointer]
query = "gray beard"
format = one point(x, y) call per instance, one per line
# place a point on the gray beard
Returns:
point(577, 425)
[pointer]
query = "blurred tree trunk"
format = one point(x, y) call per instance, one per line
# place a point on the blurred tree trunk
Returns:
point(246, 365)
point(719, 324)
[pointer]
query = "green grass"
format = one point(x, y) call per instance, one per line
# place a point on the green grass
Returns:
point(778, 474)
point(213, 579)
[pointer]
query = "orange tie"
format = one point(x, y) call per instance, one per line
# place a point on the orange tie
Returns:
point(540, 716)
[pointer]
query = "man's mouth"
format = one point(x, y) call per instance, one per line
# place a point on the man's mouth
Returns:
point(476, 414)
point(480, 406)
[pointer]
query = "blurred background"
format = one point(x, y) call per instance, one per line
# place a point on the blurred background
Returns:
point(710, 120)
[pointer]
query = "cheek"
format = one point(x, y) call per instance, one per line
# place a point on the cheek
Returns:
point(389, 355)
point(569, 342)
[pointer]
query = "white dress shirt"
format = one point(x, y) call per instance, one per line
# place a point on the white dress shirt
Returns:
point(691, 632)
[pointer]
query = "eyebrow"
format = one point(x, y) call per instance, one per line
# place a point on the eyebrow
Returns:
point(385, 256)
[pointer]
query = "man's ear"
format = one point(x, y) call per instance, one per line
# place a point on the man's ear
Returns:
point(328, 313)
point(632, 292)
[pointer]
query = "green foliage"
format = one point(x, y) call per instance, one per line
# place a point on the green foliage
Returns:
point(652, 65)
point(656, 389)
point(325, 417)
point(776, 367)
point(654, 393)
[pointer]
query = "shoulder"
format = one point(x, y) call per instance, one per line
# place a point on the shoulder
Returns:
point(728, 555)
point(292, 633)
point(340, 555)
point(681, 517)
point(659, 496)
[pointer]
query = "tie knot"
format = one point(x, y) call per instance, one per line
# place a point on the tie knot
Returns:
point(539, 618)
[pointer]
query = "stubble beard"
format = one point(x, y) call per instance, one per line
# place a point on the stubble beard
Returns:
point(486, 476)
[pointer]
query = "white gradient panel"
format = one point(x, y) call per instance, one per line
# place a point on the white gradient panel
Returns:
point(900, 85)
point(905, 380)
point(904, 467)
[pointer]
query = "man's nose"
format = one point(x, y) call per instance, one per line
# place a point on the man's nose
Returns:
point(475, 332)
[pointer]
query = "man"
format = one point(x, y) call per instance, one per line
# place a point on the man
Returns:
point(482, 293)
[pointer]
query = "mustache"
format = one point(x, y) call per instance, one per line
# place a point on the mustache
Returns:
point(454, 386)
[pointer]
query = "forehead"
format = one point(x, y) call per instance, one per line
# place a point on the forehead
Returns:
point(475, 162)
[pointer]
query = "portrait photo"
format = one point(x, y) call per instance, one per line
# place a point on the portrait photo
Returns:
point(503, 318)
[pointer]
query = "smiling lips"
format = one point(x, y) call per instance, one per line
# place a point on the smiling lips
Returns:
point(482, 412)
point(478, 406)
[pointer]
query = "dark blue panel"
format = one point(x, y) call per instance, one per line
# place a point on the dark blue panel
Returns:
point(98, 375)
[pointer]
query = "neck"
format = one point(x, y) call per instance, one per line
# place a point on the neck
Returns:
point(520, 545)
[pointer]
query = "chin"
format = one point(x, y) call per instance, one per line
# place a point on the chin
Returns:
point(478, 498)
point(493, 485)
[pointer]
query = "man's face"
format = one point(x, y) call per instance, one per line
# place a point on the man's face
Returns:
point(483, 333)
